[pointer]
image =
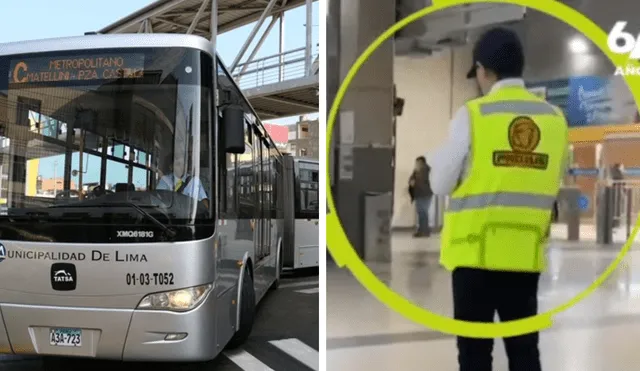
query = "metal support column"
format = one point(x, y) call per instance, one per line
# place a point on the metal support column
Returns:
point(259, 45)
point(148, 27)
point(197, 17)
point(307, 52)
point(213, 29)
point(253, 33)
point(376, 218)
point(281, 50)
point(365, 145)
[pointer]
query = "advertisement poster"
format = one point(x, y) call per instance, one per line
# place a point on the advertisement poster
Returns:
point(588, 102)
point(591, 100)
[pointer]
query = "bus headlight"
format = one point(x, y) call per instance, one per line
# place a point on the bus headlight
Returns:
point(179, 300)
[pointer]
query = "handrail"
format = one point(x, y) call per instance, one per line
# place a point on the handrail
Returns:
point(292, 51)
point(276, 68)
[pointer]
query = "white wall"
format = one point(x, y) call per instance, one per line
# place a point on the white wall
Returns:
point(433, 88)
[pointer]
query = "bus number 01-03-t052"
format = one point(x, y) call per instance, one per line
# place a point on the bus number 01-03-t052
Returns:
point(148, 279)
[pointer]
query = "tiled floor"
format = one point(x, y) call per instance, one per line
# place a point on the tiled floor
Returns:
point(601, 333)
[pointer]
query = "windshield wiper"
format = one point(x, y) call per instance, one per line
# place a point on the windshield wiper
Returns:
point(170, 232)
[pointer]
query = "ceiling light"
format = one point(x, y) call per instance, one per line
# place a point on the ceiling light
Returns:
point(578, 45)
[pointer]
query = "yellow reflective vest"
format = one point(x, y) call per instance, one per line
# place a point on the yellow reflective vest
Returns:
point(498, 216)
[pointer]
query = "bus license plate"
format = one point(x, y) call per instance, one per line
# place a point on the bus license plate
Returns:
point(65, 337)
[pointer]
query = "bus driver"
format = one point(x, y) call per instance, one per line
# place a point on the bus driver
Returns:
point(180, 181)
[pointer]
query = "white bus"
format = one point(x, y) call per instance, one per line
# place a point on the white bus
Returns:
point(162, 259)
point(301, 245)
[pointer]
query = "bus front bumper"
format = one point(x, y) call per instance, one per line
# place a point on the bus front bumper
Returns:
point(118, 334)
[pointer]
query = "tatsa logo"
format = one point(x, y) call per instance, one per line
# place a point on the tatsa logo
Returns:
point(623, 42)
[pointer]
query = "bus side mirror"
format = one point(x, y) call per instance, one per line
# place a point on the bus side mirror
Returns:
point(233, 123)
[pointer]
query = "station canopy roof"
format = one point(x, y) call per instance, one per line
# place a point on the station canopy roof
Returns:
point(175, 16)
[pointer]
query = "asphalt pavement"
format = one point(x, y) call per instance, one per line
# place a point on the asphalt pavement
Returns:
point(284, 338)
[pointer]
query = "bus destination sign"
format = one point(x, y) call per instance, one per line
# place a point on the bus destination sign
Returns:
point(76, 69)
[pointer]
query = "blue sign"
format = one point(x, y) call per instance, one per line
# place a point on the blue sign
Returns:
point(632, 171)
point(583, 172)
point(589, 101)
point(583, 202)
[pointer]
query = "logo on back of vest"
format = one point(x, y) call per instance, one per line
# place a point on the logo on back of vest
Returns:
point(524, 137)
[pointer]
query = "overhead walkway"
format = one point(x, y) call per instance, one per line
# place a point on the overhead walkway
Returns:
point(280, 85)
point(285, 84)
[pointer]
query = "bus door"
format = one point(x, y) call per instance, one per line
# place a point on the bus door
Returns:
point(266, 199)
point(258, 187)
point(246, 198)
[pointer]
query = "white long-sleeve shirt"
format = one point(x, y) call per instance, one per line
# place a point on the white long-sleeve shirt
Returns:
point(449, 163)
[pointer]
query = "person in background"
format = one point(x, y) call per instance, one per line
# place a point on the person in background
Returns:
point(421, 194)
point(617, 172)
point(501, 167)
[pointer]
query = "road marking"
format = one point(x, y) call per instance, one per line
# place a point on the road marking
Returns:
point(300, 351)
point(309, 291)
point(299, 284)
point(246, 361)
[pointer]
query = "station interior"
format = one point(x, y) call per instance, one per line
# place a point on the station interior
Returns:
point(373, 153)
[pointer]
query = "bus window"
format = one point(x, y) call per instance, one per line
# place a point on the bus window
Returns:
point(139, 179)
point(277, 205)
point(246, 185)
point(228, 186)
point(307, 193)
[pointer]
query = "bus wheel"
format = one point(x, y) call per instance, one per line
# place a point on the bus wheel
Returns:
point(247, 312)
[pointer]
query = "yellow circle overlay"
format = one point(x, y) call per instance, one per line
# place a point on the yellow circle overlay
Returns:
point(343, 252)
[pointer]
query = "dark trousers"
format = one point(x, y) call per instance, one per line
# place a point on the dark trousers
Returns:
point(422, 209)
point(477, 295)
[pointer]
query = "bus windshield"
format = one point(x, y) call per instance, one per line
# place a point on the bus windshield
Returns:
point(115, 140)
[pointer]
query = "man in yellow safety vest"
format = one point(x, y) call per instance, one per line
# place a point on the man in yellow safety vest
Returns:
point(502, 167)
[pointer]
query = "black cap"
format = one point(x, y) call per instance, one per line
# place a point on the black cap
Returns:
point(499, 50)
